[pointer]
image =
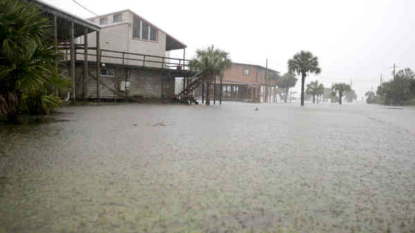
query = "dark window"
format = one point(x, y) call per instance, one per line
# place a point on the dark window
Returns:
point(109, 72)
point(143, 30)
point(117, 18)
point(136, 27)
point(153, 33)
point(102, 21)
point(144, 36)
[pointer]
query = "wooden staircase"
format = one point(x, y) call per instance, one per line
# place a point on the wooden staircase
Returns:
point(186, 95)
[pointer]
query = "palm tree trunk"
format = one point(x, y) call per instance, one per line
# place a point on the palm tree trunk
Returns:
point(340, 97)
point(286, 94)
point(208, 93)
point(302, 88)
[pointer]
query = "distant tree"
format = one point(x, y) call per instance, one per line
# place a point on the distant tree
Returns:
point(213, 62)
point(320, 92)
point(315, 89)
point(287, 81)
point(341, 89)
point(370, 96)
point(399, 89)
point(273, 77)
point(334, 98)
point(350, 96)
point(327, 95)
point(304, 63)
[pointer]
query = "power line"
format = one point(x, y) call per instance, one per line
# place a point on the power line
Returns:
point(347, 79)
point(79, 4)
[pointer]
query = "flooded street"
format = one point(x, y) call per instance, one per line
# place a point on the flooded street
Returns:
point(228, 168)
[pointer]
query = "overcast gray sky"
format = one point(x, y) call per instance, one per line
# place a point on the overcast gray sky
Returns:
point(354, 39)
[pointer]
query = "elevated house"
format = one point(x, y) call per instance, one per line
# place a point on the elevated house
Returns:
point(133, 58)
point(245, 82)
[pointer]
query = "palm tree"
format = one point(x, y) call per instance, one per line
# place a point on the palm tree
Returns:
point(304, 63)
point(314, 89)
point(341, 88)
point(213, 62)
point(320, 92)
point(27, 55)
point(286, 82)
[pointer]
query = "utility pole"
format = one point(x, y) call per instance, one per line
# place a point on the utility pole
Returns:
point(394, 83)
point(266, 81)
point(381, 80)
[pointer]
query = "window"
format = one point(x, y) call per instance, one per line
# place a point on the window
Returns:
point(108, 72)
point(153, 34)
point(137, 28)
point(117, 18)
point(246, 71)
point(144, 35)
point(143, 30)
point(102, 21)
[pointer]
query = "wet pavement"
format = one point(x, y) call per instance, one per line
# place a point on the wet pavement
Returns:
point(171, 168)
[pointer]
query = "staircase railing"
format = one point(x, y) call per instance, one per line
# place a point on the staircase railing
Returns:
point(196, 81)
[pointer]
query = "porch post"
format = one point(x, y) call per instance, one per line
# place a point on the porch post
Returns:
point(221, 90)
point(72, 28)
point(214, 91)
point(85, 83)
point(98, 66)
point(55, 23)
point(203, 92)
point(55, 29)
point(122, 77)
point(184, 58)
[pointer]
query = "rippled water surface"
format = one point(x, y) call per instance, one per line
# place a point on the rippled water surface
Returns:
point(167, 168)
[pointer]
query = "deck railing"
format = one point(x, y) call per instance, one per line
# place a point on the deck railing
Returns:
point(126, 58)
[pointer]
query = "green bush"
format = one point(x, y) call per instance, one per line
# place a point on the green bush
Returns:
point(28, 71)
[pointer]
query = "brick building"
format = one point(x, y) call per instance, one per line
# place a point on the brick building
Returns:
point(246, 82)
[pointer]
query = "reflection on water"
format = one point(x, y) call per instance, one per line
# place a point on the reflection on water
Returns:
point(154, 168)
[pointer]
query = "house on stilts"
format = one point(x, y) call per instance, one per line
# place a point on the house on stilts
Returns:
point(134, 59)
point(244, 82)
point(119, 55)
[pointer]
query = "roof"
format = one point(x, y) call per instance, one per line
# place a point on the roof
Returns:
point(65, 15)
point(171, 42)
point(243, 64)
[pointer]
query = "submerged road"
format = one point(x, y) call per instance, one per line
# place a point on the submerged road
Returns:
point(171, 168)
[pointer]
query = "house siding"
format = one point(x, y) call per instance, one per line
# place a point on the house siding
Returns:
point(119, 37)
point(143, 83)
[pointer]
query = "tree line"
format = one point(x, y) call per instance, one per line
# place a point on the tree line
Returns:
point(400, 90)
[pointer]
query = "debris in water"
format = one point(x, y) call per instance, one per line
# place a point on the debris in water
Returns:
point(157, 124)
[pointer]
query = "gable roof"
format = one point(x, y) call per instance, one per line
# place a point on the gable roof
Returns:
point(257, 66)
point(171, 42)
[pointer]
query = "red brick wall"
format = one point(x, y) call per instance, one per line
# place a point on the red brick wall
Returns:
point(236, 73)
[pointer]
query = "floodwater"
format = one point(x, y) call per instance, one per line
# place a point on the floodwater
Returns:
point(228, 168)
